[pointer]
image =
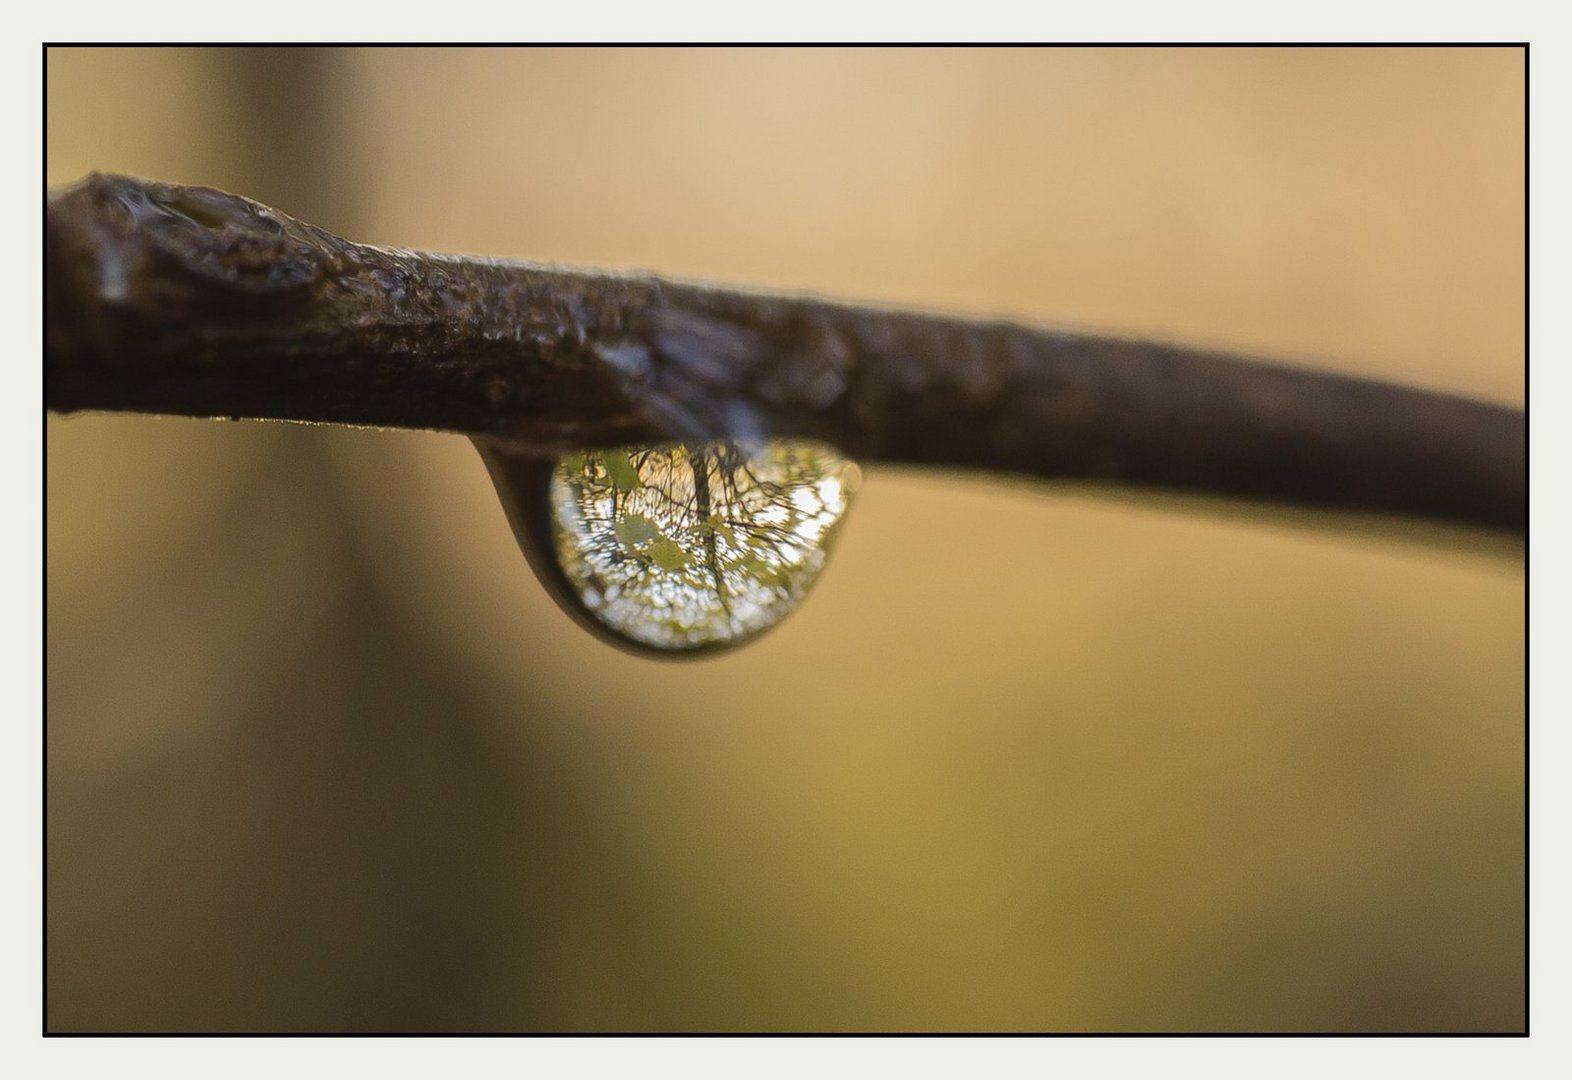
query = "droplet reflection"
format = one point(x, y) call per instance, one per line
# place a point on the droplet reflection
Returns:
point(683, 548)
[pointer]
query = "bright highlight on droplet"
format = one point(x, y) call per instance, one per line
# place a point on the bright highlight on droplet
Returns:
point(695, 547)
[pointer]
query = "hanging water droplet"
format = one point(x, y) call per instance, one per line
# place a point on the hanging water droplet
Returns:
point(678, 548)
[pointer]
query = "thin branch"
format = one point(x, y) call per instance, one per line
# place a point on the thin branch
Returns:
point(185, 300)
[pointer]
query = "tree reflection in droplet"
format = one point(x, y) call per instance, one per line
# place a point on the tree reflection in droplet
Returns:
point(684, 547)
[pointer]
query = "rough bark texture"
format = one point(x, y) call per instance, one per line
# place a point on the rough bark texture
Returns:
point(172, 299)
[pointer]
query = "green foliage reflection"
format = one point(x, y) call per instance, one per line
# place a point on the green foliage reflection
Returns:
point(686, 547)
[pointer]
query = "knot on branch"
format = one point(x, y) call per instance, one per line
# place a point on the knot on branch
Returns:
point(110, 233)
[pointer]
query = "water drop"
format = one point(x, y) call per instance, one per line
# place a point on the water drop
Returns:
point(677, 548)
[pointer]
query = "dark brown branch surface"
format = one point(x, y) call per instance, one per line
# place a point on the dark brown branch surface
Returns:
point(184, 300)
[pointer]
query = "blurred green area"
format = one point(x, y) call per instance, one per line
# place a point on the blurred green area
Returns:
point(322, 755)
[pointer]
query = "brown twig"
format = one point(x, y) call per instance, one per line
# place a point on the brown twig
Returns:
point(185, 300)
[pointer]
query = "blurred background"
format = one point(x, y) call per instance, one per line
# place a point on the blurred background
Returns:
point(322, 755)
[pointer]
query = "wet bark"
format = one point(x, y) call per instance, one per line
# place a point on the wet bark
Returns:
point(170, 299)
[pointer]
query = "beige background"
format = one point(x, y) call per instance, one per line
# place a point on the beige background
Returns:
point(322, 755)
